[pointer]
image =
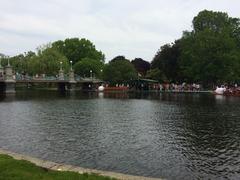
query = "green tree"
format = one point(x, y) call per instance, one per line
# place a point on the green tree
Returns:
point(19, 62)
point(47, 62)
point(167, 61)
point(48, 57)
point(210, 53)
point(86, 65)
point(156, 74)
point(141, 66)
point(119, 70)
point(76, 49)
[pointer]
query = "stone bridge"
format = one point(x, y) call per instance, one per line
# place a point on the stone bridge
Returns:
point(64, 82)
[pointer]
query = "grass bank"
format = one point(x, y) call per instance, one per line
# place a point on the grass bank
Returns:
point(11, 169)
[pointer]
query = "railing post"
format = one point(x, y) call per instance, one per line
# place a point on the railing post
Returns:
point(71, 76)
point(72, 81)
point(9, 81)
point(61, 75)
point(9, 74)
point(1, 72)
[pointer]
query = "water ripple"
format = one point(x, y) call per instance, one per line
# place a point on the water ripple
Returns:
point(160, 135)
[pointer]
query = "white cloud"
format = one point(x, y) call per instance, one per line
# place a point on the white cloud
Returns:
point(134, 28)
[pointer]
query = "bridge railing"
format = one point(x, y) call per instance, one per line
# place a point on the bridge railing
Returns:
point(20, 77)
point(23, 77)
point(87, 79)
point(77, 77)
point(27, 78)
point(50, 78)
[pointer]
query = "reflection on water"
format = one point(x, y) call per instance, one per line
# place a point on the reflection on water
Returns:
point(175, 136)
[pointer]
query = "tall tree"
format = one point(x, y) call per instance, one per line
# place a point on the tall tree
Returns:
point(210, 53)
point(156, 74)
point(76, 49)
point(117, 58)
point(86, 65)
point(47, 62)
point(167, 61)
point(141, 66)
point(119, 70)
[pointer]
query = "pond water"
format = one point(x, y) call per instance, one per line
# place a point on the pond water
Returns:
point(173, 136)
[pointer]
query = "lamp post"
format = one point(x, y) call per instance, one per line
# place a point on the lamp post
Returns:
point(101, 73)
point(71, 65)
point(91, 74)
point(1, 70)
point(61, 65)
point(71, 76)
point(9, 73)
point(61, 73)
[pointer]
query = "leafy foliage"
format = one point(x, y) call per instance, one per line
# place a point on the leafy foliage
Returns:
point(117, 58)
point(141, 66)
point(210, 53)
point(86, 65)
point(47, 62)
point(167, 61)
point(20, 62)
point(156, 74)
point(48, 57)
point(76, 49)
point(119, 70)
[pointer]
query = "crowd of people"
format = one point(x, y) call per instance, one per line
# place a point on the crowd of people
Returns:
point(228, 90)
point(179, 87)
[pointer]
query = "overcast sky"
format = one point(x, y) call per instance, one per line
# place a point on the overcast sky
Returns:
point(134, 28)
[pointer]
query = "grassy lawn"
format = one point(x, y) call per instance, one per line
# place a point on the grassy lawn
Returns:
point(11, 169)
